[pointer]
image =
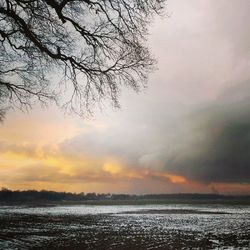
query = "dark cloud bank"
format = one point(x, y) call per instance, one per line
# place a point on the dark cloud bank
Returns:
point(208, 144)
point(216, 147)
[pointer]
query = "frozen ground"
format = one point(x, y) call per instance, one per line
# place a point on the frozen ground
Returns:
point(125, 227)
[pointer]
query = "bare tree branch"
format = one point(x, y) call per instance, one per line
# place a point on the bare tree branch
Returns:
point(94, 47)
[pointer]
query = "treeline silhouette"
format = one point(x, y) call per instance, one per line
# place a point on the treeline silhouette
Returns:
point(9, 196)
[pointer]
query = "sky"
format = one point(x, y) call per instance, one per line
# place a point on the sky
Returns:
point(189, 131)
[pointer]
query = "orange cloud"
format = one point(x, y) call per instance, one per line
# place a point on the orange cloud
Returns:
point(42, 167)
point(33, 160)
point(46, 168)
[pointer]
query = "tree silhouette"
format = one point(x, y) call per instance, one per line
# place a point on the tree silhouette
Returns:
point(90, 47)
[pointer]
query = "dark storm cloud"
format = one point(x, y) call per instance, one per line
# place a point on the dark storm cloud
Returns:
point(209, 144)
point(216, 144)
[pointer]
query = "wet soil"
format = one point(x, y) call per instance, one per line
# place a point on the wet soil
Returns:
point(125, 231)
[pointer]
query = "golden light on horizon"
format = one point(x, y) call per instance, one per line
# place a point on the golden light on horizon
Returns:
point(36, 159)
point(176, 178)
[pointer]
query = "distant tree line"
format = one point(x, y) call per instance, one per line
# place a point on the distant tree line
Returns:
point(9, 196)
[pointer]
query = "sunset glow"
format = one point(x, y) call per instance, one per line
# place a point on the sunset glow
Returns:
point(43, 164)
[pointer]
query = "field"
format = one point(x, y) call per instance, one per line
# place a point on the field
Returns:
point(176, 226)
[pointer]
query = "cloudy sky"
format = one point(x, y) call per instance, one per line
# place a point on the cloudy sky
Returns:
point(189, 131)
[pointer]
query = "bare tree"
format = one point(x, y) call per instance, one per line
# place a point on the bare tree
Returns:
point(93, 47)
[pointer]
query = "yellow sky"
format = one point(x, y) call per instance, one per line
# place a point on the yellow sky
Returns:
point(31, 158)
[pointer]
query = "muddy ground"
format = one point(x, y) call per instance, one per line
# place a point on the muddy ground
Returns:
point(132, 230)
